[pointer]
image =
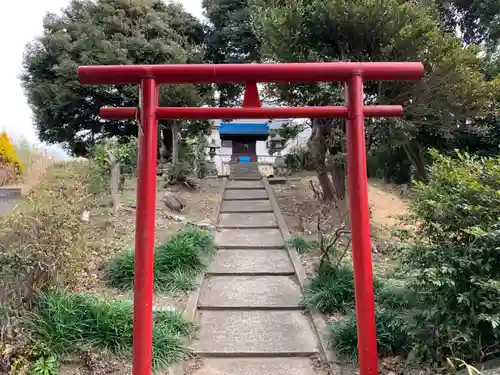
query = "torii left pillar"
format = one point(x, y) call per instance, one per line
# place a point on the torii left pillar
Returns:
point(145, 224)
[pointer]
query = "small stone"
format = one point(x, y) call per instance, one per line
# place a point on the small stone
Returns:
point(174, 201)
point(85, 216)
point(8, 349)
point(164, 308)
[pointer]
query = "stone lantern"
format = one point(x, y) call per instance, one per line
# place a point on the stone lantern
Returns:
point(211, 168)
point(277, 146)
point(277, 143)
point(213, 146)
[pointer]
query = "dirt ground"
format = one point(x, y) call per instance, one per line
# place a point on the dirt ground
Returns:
point(297, 202)
point(299, 208)
point(116, 232)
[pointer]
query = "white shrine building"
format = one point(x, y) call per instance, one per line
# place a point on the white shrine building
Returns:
point(247, 141)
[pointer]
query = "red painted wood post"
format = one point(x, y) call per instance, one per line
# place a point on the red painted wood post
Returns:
point(360, 226)
point(145, 229)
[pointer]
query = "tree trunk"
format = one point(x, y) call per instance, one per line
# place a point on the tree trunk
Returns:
point(318, 146)
point(166, 134)
point(337, 167)
point(175, 143)
point(414, 153)
point(338, 177)
point(114, 181)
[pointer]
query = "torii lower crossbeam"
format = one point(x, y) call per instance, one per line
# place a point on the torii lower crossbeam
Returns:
point(149, 76)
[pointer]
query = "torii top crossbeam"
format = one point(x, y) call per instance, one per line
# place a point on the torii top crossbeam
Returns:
point(241, 73)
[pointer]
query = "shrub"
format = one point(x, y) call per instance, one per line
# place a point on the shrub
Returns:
point(9, 161)
point(176, 264)
point(390, 163)
point(299, 158)
point(193, 153)
point(44, 241)
point(332, 290)
point(114, 159)
point(301, 244)
point(453, 261)
point(68, 322)
point(125, 151)
point(178, 173)
point(395, 296)
point(392, 337)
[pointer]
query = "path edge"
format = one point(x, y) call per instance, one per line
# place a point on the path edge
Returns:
point(331, 360)
point(189, 311)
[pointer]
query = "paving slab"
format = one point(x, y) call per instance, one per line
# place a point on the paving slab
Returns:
point(245, 185)
point(242, 194)
point(257, 366)
point(248, 220)
point(250, 292)
point(247, 333)
point(251, 262)
point(244, 238)
point(246, 206)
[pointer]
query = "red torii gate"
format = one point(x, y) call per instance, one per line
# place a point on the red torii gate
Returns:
point(150, 76)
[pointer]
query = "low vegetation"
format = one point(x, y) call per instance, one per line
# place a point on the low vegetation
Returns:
point(67, 323)
point(441, 301)
point(44, 244)
point(176, 266)
point(44, 241)
point(300, 244)
point(48, 250)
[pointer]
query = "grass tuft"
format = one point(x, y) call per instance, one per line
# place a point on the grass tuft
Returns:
point(395, 296)
point(300, 244)
point(176, 265)
point(332, 290)
point(391, 336)
point(67, 322)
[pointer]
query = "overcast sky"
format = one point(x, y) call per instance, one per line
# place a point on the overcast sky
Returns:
point(20, 23)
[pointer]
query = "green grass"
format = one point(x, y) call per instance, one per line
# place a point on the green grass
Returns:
point(176, 266)
point(332, 290)
point(300, 244)
point(394, 295)
point(67, 322)
point(391, 335)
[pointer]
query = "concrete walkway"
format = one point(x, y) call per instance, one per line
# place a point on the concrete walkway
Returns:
point(8, 199)
point(248, 309)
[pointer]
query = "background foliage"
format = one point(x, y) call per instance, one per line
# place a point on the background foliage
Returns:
point(452, 259)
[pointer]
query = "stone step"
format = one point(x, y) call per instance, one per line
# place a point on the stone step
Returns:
point(245, 178)
point(251, 262)
point(277, 180)
point(241, 194)
point(246, 206)
point(250, 292)
point(245, 185)
point(255, 333)
point(257, 366)
point(249, 238)
point(251, 220)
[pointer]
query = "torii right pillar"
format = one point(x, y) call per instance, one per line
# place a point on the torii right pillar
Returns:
point(360, 219)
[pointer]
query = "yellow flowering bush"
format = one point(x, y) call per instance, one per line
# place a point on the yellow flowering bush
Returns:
point(8, 155)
